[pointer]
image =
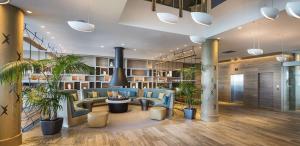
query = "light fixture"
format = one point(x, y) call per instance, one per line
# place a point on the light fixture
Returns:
point(167, 18)
point(240, 28)
point(52, 37)
point(81, 25)
point(48, 32)
point(281, 58)
point(293, 9)
point(269, 12)
point(197, 39)
point(255, 51)
point(202, 17)
point(123, 44)
point(43, 26)
point(28, 12)
point(101, 46)
point(2, 2)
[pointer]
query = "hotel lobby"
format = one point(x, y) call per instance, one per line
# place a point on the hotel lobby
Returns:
point(149, 72)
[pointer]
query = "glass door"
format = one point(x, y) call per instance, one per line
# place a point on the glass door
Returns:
point(291, 88)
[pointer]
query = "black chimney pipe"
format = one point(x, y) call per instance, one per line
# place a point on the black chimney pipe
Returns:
point(119, 77)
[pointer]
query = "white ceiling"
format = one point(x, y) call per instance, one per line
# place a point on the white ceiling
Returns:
point(272, 35)
point(131, 22)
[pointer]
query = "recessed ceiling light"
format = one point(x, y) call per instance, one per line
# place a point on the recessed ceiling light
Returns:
point(171, 50)
point(43, 26)
point(52, 37)
point(240, 27)
point(177, 48)
point(123, 44)
point(28, 12)
point(25, 34)
point(101, 46)
point(185, 45)
point(218, 38)
point(48, 32)
point(134, 49)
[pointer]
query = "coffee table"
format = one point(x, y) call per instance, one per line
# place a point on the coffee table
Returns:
point(118, 106)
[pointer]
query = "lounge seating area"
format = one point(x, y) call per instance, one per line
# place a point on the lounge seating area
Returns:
point(76, 109)
point(149, 72)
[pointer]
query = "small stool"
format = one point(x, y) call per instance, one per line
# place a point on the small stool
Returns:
point(97, 119)
point(158, 113)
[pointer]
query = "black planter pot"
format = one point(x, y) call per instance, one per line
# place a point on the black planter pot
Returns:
point(51, 127)
point(190, 113)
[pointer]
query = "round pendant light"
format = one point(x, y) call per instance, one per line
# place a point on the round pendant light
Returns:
point(81, 25)
point(255, 51)
point(293, 9)
point(269, 12)
point(202, 18)
point(197, 39)
point(281, 58)
point(2, 2)
point(167, 18)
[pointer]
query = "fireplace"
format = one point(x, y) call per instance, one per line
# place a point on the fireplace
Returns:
point(119, 78)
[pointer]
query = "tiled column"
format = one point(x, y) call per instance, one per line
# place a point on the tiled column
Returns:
point(11, 49)
point(209, 80)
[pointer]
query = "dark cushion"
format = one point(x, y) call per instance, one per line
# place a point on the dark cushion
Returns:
point(80, 112)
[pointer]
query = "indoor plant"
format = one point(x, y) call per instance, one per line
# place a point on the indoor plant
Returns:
point(45, 97)
point(188, 90)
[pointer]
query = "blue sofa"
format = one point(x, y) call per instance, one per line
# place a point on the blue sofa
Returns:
point(135, 94)
point(166, 101)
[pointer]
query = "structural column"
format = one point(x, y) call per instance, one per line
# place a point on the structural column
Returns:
point(297, 83)
point(11, 49)
point(209, 80)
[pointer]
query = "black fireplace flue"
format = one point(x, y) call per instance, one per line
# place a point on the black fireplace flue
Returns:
point(119, 78)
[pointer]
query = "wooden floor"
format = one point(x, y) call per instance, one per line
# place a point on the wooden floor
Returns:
point(237, 126)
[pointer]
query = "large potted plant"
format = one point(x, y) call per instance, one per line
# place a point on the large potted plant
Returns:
point(45, 97)
point(188, 91)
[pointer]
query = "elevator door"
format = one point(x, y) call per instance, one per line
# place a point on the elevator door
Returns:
point(237, 87)
point(265, 90)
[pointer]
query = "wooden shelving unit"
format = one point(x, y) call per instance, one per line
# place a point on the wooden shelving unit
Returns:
point(140, 74)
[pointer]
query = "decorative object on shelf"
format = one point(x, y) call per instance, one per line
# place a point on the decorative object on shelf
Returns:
point(69, 86)
point(167, 17)
point(197, 39)
point(202, 17)
point(44, 97)
point(2, 2)
point(111, 64)
point(270, 12)
point(81, 25)
point(104, 72)
point(293, 9)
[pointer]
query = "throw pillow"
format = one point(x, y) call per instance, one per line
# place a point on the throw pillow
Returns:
point(115, 93)
point(109, 93)
point(75, 97)
point(166, 101)
point(95, 94)
point(90, 94)
point(161, 96)
point(149, 94)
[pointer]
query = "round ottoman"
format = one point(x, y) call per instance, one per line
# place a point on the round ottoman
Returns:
point(97, 119)
point(158, 113)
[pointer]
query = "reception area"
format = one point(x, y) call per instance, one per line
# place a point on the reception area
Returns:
point(149, 72)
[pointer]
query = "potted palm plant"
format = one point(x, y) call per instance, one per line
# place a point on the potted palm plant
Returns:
point(45, 97)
